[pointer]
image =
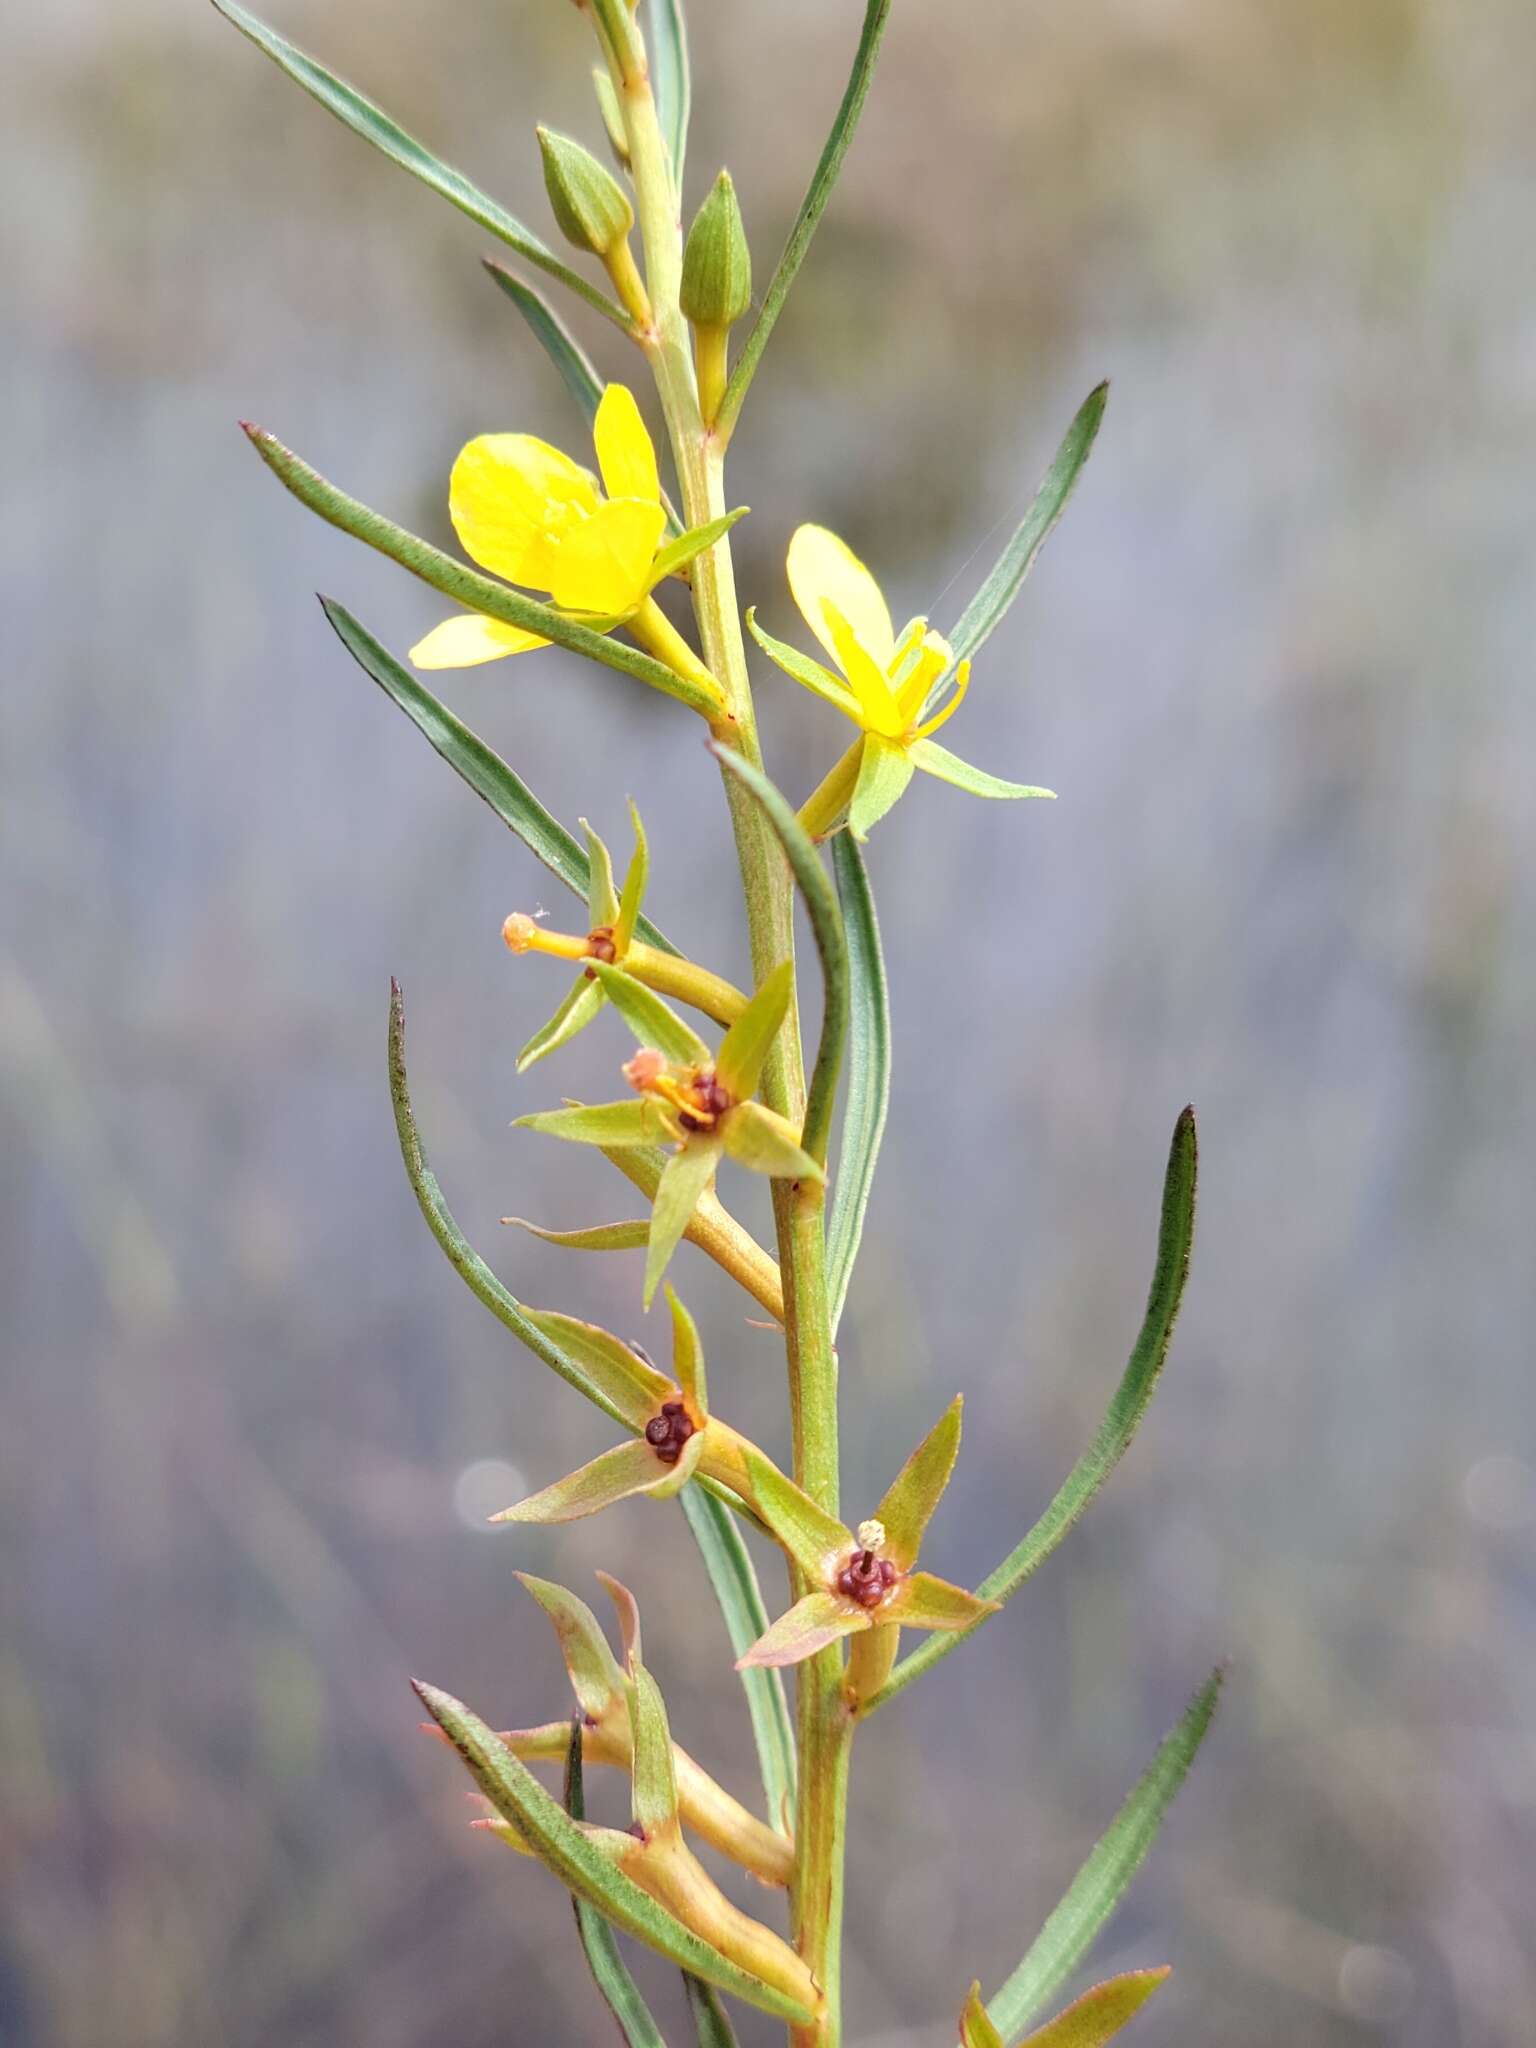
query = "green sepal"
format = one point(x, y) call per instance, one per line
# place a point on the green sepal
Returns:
point(582, 1865)
point(765, 1142)
point(654, 1022)
point(617, 1475)
point(1098, 1887)
point(582, 1003)
point(684, 1178)
point(609, 1970)
point(374, 125)
point(613, 115)
point(922, 1601)
point(803, 670)
point(632, 895)
point(976, 2029)
point(810, 1626)
point(633, 1386)
point(687, 1354)
point(627, 1608)
point(936, 760)
point(590, 206)
point(597, 1237)
point(745, 1047)
point(1100, 2014)
point(655, 1775)
point(885, 769)
point(868, 1093)
point(602, 1123)
point(678, 1475)
point(918, 1487)
point(815, 1540)
point(595, 1676)
point(716, 285)
point(602, 897)
point(677, 554)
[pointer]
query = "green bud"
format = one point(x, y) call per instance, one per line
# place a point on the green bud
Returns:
point(717, 265)
point(589, 205)
point(613, 119)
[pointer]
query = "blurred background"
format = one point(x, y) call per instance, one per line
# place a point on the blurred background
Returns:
point(1277, 663)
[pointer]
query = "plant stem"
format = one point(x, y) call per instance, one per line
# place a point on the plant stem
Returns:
point(825, 1726)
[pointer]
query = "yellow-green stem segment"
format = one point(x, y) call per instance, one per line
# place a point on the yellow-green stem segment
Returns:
point(825, 1725)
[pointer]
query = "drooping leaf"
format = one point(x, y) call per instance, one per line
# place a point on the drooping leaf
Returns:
point(1097, 1888)
point(734, 1580)
point(812, 207)
point(467, 586)
point(827, 927)
point(936, 760)
point(486, 773)
point(555, 338)
point(595, 1676)
point(1101, 2013)
point(684, 1178)
point(868, 1092)
point(670, 80)
point(739, 1063)
point(653, 1022)
point(582, 1865)
point(918, 1487)
point(1130, 1402)
point(711, 2027)
point(374, 125)
point(987, 607)
point(608, 1967)
point(461, 1255)
point(712, 1227)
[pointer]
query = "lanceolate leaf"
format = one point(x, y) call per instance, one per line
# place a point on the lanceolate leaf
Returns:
point(669, 79)
point(711, 2027)
point(462, 1256)
point(1131, 1399)
point(469, 756)
point(731, 1573)
point(555, 338)
point(986, 609)
point(582, 1866)
point(869, 1070)
point(375, 126)
point(467, 586)
point(812, 207)
point(1097, 1888)
point(608, 1968)
point(1101, 2013)
point(827, 925)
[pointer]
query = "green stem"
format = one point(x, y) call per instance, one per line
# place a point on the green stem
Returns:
point(825, 1727)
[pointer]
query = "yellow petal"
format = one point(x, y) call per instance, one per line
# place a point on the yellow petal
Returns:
point(625, 453)
point(957, 696)
point(466, 642)
point(509, 495)
point(932, 657)
point(604, 563)
point(824, 570)
point(877, 704)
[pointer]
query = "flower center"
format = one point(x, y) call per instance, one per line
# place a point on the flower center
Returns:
point(866, 1578)
point(667, 1432)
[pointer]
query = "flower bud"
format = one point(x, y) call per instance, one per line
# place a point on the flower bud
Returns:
point(589, 205)
point(717, 265)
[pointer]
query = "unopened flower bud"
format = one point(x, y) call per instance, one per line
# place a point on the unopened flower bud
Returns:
point(717, 264)
point(519, 931)
point(590, 207)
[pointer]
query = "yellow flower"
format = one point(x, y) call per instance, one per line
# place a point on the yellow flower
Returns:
point(882, 684)
point(528, 513)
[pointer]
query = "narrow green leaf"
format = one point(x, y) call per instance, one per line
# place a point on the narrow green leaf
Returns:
point(827, 926)
point(869, 1070)
point(598, 1237)
point(555, 338)
point(1097, 1888)
point(595, 1676)
point(743, 1050)
point(936, 760)
point(654, 1022)
point(812, 207)
point(461, 1255)
point(1130, 1402)
point(467, 586)
point(711, 2027)
point(581, 1864)
point(486, 773)
point(599, 1945)
point(986, 609)
point(670, 81)
point(731, 1574)
point(1101, 2013)
point(575, 1013)
point(374, 125)
point(680, 552)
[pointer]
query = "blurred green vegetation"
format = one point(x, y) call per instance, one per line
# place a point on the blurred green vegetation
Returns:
point(1276, 662)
